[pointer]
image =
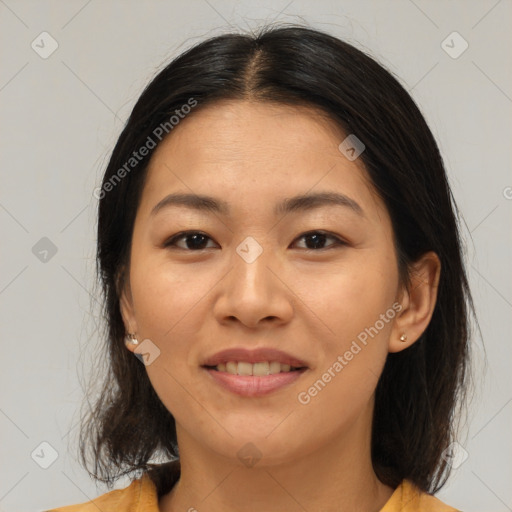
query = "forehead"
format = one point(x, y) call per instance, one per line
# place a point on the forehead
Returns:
point(265, 151)
point(239, 128)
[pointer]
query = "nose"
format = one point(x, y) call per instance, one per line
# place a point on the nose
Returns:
point(254, 293)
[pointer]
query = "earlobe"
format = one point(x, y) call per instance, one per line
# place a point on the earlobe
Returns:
point(418, 302)
point(126, 308)
point(131, 342)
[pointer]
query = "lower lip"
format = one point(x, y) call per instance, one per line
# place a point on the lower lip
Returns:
point(250, 385)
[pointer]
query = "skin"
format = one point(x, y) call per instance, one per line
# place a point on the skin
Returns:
point(310, 303)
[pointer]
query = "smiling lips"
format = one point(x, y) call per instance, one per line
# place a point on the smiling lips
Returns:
point(257, 369)
point(260, 355)
point(254, 373)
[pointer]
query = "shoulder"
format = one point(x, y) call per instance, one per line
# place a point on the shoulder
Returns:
point(139, 496)
point(408, 498)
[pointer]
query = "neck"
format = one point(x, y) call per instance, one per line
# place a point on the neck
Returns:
point(337, 476)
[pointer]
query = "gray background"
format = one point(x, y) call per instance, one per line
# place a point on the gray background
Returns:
point(60, 117)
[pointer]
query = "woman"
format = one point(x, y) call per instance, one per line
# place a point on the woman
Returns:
point(278, 248)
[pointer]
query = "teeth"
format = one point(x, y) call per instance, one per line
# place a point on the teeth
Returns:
point(232, 367)
point(258, 369)
point(275, 367)
point(244, 368)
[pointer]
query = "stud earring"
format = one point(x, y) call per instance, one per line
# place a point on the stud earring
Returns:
point(403, 338)
point(130, 340)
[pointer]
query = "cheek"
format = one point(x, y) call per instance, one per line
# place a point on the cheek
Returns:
point(352, 297)
point(171, 307)
point(357, 309)
point(163, 295)
point(168, 309)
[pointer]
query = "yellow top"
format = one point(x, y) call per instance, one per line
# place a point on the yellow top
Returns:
point(141, 496)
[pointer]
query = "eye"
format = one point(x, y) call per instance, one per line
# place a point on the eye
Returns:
point(197, 241)
point(194, 240)
point(318, 238)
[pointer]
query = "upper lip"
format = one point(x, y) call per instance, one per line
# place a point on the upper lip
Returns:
point(253, 356)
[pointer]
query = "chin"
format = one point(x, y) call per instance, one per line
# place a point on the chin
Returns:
point(259, 450)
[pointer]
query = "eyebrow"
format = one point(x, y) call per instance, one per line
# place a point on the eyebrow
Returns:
point(302, 202)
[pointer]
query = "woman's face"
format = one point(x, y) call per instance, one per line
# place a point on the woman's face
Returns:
point(261, 275)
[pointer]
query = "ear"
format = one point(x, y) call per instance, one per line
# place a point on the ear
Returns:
point(126, 304)
point(418, 301)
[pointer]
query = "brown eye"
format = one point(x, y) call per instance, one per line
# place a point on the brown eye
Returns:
point(194, 241)
point(197, 241)
point(315, 240)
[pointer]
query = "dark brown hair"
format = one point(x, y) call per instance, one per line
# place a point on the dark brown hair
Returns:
point(420, 387)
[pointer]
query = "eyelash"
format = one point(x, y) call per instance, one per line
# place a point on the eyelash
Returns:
point(171, 243)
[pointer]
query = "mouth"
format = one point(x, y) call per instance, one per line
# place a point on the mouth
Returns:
point(253, 373)
point(260, 361)
point(252, 386)
point(259, 369)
